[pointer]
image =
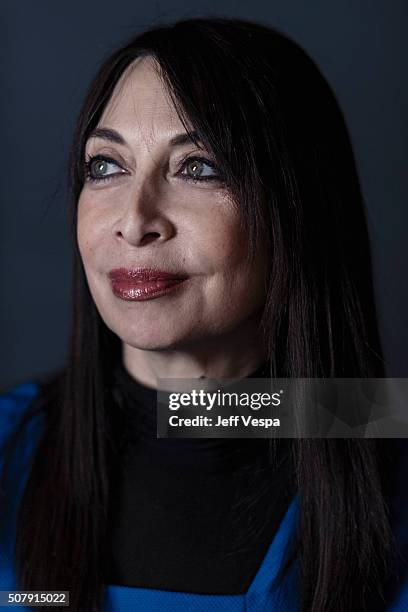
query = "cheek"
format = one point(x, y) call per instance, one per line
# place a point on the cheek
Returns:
point(220, 239)
point(216, 230)
point(222, 246)
point(82, 227)
point(89, 230)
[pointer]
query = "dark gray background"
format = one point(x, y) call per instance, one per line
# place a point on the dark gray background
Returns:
point(51, 50)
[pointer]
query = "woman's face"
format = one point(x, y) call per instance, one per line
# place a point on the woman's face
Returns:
point(154, 205)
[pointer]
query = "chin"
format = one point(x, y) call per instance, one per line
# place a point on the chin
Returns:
point(146, 338)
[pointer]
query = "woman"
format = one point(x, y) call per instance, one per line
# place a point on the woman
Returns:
point(219, 232)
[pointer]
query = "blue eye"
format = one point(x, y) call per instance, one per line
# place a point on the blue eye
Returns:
point(97, 168)
point(102, 168)
point(199, 169)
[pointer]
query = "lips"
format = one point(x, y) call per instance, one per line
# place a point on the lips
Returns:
point(144, 283)
point(143, 274)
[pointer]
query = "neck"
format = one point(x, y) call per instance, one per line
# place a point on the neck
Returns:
point(233, 355)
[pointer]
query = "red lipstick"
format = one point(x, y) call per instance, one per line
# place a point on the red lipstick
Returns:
point(144, 283)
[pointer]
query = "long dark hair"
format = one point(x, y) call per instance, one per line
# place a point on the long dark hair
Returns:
point(263, 109)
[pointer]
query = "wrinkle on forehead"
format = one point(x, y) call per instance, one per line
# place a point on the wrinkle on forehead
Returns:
point(140, 107)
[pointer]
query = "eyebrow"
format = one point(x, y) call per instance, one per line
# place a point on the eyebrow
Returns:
point(107, 134)
point(114, 136)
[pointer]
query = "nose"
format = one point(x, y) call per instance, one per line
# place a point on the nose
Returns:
point(142, 218)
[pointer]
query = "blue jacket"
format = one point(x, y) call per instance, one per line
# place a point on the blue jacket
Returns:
point(263, 595)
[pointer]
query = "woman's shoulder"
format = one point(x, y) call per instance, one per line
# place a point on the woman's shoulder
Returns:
point(15, 401)
point(22, 404)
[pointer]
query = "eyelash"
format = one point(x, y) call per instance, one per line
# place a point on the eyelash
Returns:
point(90, 160)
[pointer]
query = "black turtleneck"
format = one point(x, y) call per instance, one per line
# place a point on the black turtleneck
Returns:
point(191, 515)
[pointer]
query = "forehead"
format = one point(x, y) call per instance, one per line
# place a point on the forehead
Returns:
point(140, 106)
